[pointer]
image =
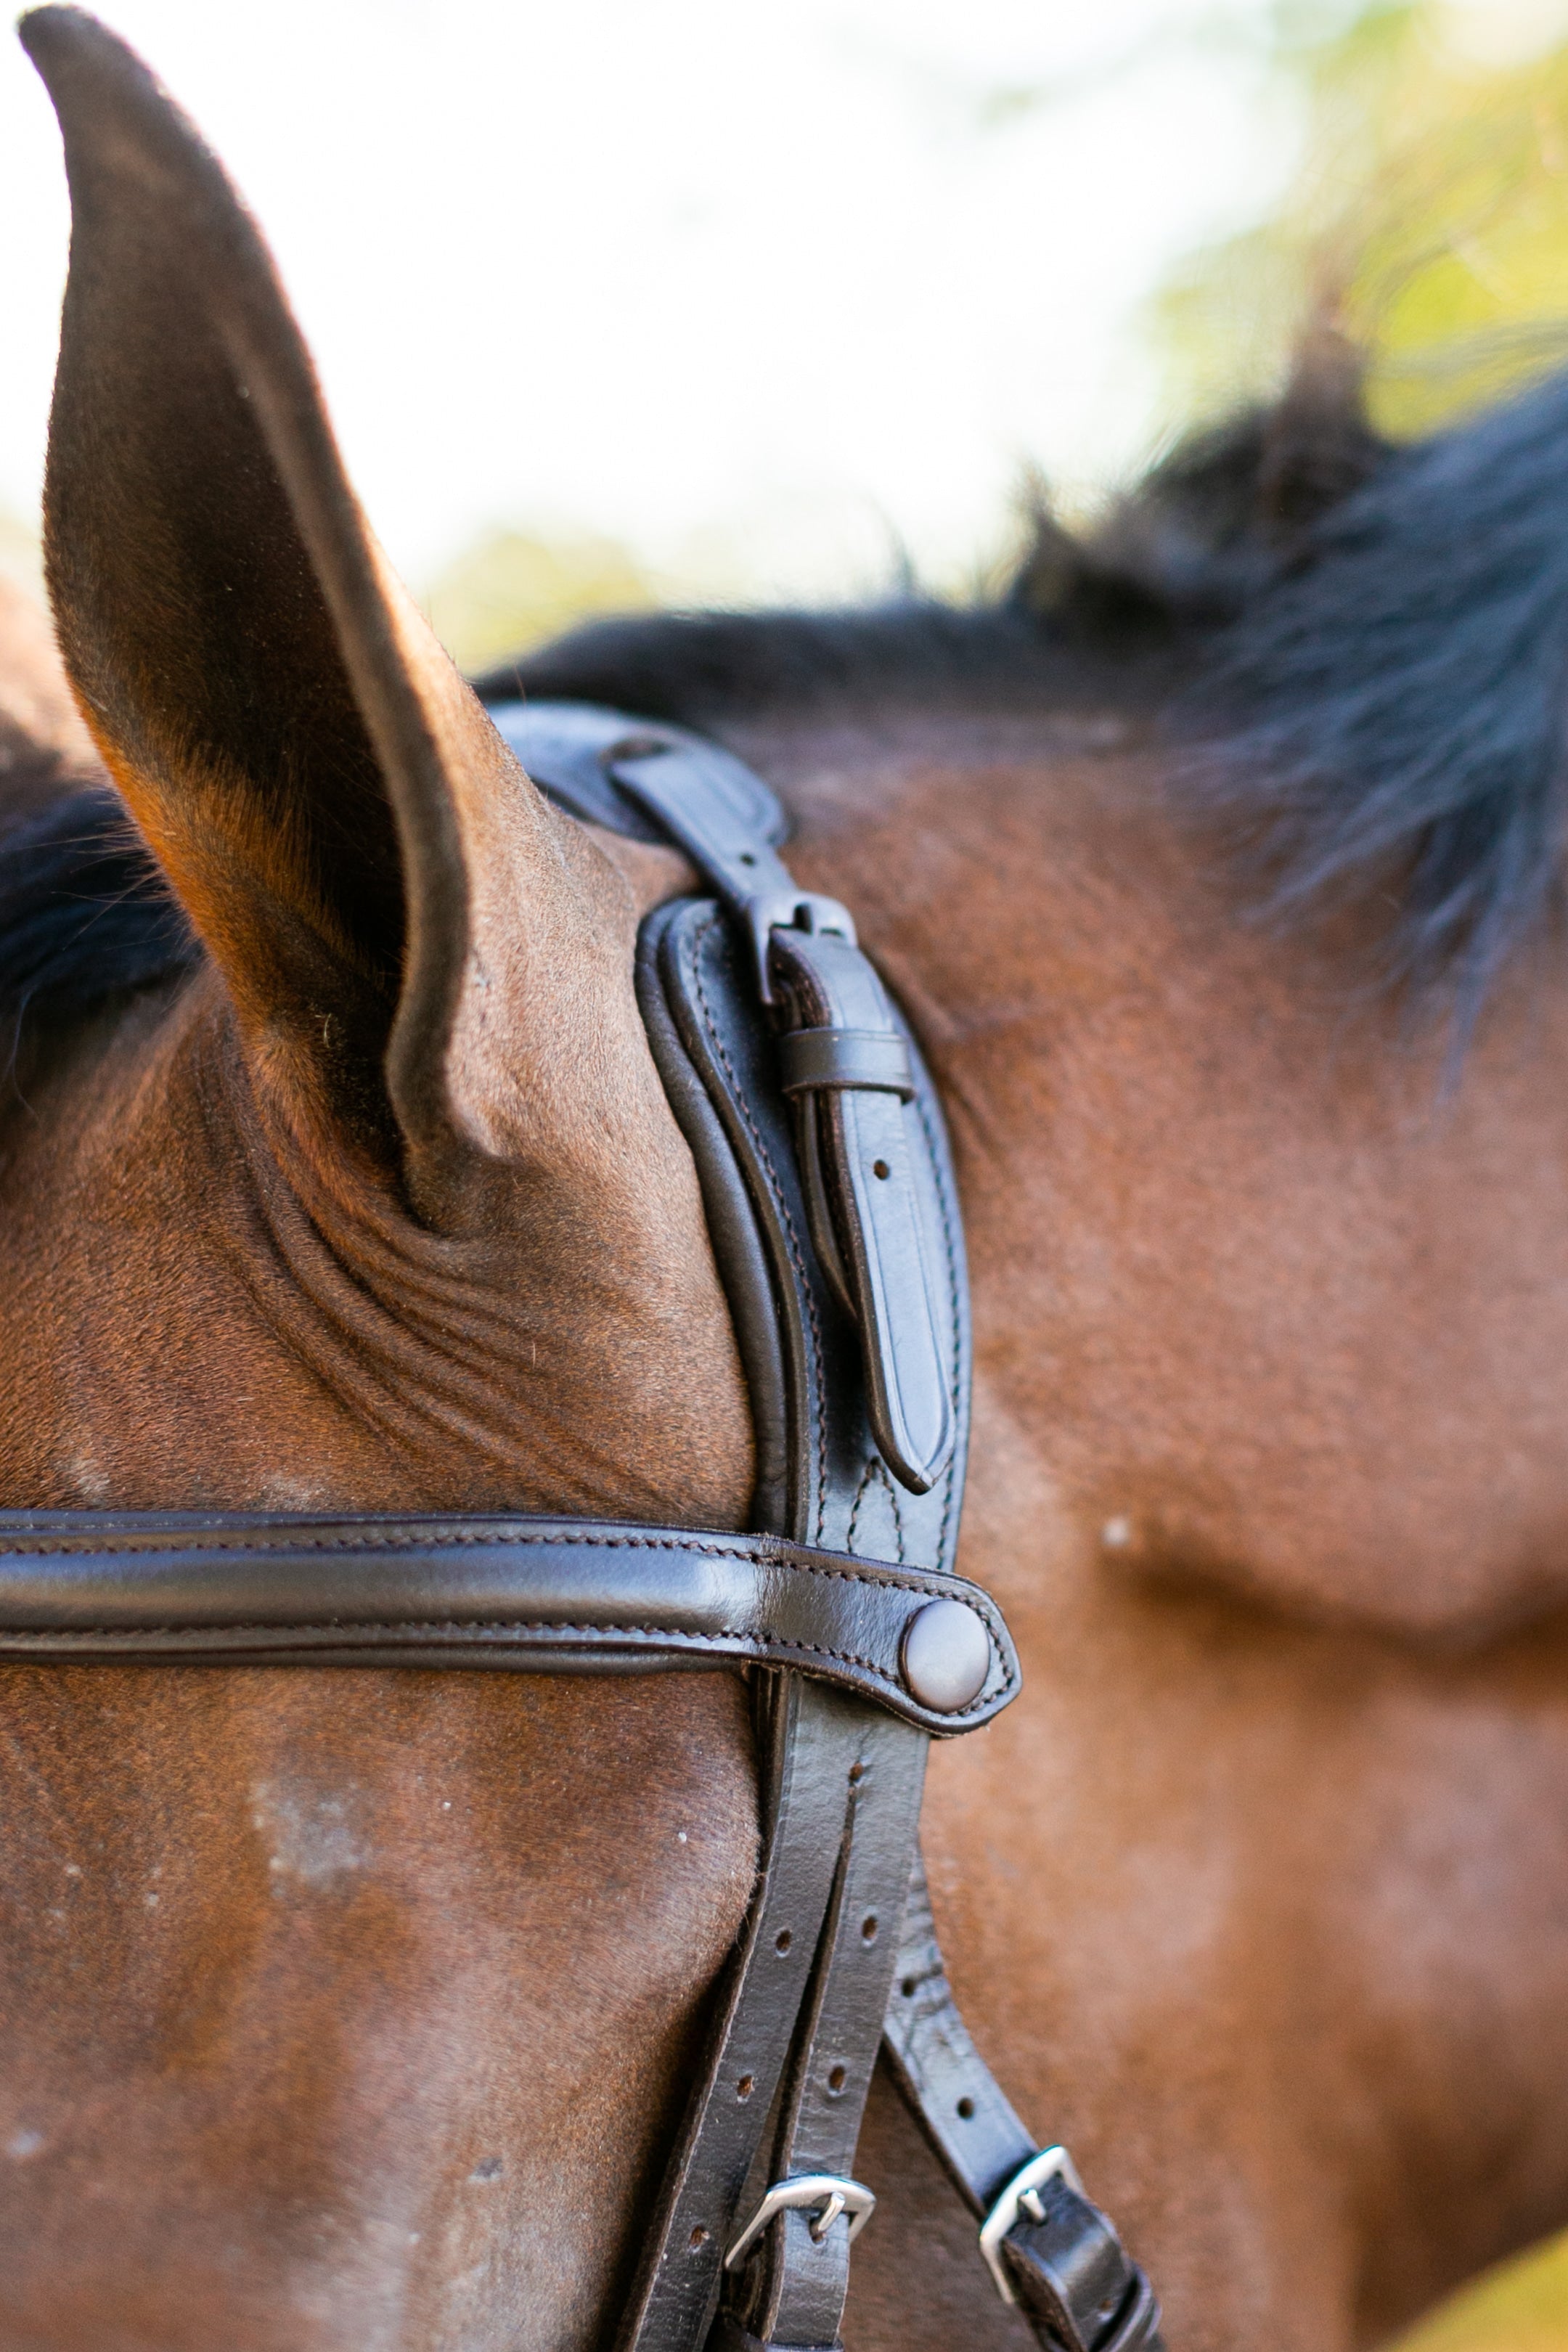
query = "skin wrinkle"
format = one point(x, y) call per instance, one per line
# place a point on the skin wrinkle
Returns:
point(398, 1325)
point(370, 1294)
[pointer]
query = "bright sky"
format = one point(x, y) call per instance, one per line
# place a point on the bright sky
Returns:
point(765, 291)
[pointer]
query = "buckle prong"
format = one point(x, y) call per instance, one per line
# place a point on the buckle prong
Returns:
point(829, 2192)
point(791, 909)
point(1022, 2195)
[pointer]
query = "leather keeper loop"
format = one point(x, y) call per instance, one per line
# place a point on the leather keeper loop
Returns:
point(876, 1060)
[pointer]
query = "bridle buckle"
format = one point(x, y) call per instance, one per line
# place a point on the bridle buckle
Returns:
point(829, 2192)
point(1022, 2197)
point(791, 909)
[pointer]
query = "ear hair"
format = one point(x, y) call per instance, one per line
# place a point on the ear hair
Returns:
point(323, 791)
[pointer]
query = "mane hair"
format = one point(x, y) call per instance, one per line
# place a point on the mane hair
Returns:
point(85, 912)
point(1359, 650)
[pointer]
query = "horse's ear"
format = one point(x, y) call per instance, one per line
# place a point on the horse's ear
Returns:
point(375, 878)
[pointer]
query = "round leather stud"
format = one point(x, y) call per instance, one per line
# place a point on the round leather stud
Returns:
point(947, 1657)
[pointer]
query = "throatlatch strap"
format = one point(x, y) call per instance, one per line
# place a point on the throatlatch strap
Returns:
point(1051, 2251)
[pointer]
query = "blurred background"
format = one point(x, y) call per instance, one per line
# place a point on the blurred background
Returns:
point(650, 301)
point(634, 302)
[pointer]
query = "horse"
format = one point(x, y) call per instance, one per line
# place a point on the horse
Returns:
point(1215, 863)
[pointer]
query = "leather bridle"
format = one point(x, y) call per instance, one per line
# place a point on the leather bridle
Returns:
point(823, 1160)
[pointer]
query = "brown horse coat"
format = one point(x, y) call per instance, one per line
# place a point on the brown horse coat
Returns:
point(351, 2009)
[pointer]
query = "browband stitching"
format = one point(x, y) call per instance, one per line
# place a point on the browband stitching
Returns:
point(388, 1541)
point(738, 1097)
point(348, 1627)
point(956, 1391)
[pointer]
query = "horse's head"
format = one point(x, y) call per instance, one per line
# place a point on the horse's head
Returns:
point(380, 1205)
point(351, 2009)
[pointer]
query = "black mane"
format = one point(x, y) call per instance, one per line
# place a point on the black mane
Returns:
point(85, 913)
point(1361, 651)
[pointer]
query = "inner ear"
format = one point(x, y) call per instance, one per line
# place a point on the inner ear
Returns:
point(219, 604)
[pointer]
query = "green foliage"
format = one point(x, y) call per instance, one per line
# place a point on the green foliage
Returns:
point(513, 591)
point(1428, 222)
point(1522, 2306)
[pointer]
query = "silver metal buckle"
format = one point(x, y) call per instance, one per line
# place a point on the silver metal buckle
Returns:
point(1022, 2196)
point(791, 909)
point(828, 2191)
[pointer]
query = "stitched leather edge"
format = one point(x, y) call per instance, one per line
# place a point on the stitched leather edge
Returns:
point(58, 1643)
point(698, 941)
point(774, 1556)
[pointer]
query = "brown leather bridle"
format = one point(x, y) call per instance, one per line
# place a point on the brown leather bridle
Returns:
point(823, 1159)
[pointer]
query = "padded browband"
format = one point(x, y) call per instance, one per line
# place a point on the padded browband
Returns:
point(536, 1595)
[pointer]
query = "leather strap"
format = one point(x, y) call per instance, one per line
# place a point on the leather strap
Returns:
point(810, 1743)
point(877, 1059)
point(858, 1153)
point(792, 2290)
point(803, 1350)
point(1067, 2270)
point(569, 748)
point(1075, 2283)
point(856, 1147)
point(967, 2116)
point(698, 801)
point(861, 1325)
point(536, 1595)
